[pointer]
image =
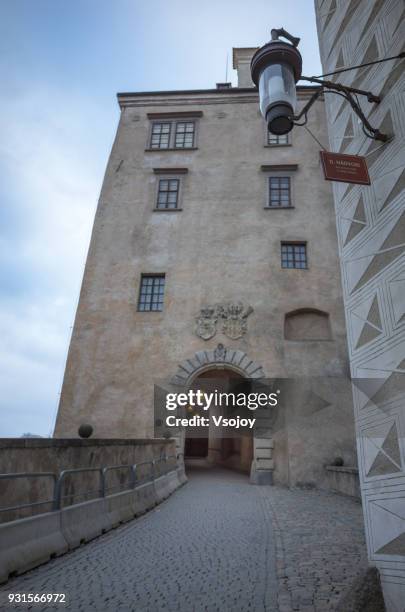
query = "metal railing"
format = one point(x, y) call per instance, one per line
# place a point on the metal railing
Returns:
point(137, 474)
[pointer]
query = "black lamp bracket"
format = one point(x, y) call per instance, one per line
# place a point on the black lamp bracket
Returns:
point(350, 94)
point(277, 32)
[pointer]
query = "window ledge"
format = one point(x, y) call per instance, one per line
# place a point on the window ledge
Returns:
point(180, 149)
point(279, 167)
point(148, 312)
point(278, 207)
point(170, 210)
point(314, 340)
point(273, 146)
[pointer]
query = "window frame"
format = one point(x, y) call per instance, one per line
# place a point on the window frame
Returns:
point(275, 145)
point(280, 190)
point(279, 171)
point(160, 122)
point(169, 174)
point(173, 121)
point(167, 191)
point(295, 243)
point(178, 122)
point(151, 276)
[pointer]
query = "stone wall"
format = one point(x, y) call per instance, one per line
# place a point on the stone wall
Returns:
point(55, 455)
point(343, 480)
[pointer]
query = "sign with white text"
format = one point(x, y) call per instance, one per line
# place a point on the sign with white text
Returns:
point(345, 168)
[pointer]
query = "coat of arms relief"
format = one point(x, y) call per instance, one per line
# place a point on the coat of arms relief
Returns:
point(232, 318)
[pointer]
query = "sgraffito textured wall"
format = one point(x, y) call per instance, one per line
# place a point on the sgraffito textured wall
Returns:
point(371, 234)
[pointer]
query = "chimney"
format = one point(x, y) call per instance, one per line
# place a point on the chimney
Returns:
point(241, 63)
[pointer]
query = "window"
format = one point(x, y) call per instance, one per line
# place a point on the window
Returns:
point(276, 140)
point(293, 255)
point(279, 191)
point(184, 134)
point(160, 137)
point(173, 134)
point(151, 292)
point(168, 193)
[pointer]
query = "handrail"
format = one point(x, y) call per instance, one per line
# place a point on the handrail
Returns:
point(59, 479)
point(63, 473)
point(132, 475)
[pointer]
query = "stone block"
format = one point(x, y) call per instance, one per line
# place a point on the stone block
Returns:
point(83, 522)
point(28, 542)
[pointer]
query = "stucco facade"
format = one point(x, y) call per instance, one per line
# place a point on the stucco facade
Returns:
point(221, 245)
point(371, 232)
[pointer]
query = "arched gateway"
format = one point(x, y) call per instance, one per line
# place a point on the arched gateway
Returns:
point(218, 358)
point(215, 362)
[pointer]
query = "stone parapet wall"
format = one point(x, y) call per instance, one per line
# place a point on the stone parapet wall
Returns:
point(54, 455)
point(344, 480)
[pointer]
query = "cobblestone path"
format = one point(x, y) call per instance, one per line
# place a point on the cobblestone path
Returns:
point(217, 544)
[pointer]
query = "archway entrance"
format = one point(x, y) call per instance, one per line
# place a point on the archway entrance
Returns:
point(211, 448)
point(222, 359)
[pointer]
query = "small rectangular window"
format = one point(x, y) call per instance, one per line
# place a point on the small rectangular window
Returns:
point(168, 193)
point(279, 191)
point(160, 137)
point(151, 292)
point(184, 135)
point(277, 140)
point(293, 255)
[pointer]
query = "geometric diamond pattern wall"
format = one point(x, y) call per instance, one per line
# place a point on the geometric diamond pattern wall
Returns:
point(371, 228)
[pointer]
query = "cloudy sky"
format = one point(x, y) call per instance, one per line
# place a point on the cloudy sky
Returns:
point(61, 64)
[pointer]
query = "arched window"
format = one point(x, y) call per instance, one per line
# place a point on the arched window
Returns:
point(307, 324)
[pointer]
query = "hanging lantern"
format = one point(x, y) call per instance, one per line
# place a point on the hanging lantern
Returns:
point(276, 68)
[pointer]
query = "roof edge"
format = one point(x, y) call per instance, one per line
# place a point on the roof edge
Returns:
point(173, 92)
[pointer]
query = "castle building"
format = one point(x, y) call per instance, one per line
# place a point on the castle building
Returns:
point(371, 236)
point(213, 254)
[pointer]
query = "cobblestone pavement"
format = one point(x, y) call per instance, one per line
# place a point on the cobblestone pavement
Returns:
point(218, 543)
point(320, 547)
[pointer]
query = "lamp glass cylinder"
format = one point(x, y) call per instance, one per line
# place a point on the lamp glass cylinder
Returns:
point(277, 91)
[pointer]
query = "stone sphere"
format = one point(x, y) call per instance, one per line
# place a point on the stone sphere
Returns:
point(338, 461)
point(85, 430)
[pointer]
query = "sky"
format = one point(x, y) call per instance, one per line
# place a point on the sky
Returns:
point(61, 65)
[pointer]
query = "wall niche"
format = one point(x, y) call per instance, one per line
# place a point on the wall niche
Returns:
point(307, 324)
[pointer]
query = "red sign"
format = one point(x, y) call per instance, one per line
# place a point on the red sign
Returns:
point(345, 168)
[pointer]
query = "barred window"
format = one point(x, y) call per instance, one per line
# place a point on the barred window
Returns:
point(160, 138)
point(168, 193)
point(151, 292)
point(274, 139)
point(184, 134)
point(293, 255)
point(279, 191)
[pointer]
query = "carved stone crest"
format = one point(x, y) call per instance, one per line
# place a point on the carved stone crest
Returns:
point(206, 323)
point(233, 317)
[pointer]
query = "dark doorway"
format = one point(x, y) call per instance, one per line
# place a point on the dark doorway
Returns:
point(196, 447)
point(235, 453)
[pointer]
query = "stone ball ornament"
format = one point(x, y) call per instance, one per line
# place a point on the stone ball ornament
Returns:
point(85, 430)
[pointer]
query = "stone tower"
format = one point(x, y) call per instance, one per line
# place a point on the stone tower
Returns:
point(213, 251)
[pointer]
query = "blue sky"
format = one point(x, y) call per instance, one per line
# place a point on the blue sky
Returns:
point(61, 64)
